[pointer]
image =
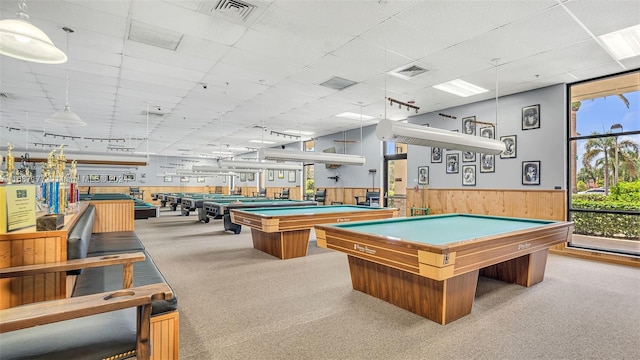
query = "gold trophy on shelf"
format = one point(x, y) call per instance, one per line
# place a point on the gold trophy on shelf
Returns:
point(61, 163)
point(10, 164)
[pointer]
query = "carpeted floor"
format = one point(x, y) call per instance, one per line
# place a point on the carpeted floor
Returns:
point(239, 303)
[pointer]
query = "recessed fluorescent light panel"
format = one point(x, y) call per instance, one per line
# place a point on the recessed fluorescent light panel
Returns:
point(623, 44)
point(299, 132)
point(460, 88)
point(262, 141)
point(354, 116)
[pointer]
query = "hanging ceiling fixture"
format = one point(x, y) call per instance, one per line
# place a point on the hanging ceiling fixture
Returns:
point(66, 117)
point(311, 157)
point(237, 165)
point(387, 130)
point(22, 40)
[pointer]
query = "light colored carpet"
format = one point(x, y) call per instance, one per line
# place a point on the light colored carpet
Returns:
point(239, 303)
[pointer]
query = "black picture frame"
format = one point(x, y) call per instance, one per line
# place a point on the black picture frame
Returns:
point(468, 156)
point(531, 117)
point(511, 147)
point(531, 172)
point(292, 176)
point(423, 175)
point(488, 131)
point(251, 177)
point(469, 125)
point(487, 163)
point(270, 175)
point(168, 179)
point(453, 163)
point(468, 175)
point(129, 177)
point(243, 177)
point(436, 155)
point(280, 174)
point(184, 179)
point(112, 178)
point(94, 178)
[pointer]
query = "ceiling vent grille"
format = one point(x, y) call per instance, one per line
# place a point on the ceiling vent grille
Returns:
point(235, 8)
point(408, 72)
point(338, 83)
point(154, 36)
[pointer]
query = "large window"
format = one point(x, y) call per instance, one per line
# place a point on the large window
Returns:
point(604, 163)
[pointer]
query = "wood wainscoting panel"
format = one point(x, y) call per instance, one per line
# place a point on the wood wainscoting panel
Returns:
point(113, 215)
point(532, 204)
point(165, 336)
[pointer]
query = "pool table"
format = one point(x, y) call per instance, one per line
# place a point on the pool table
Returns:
point(220, 209)
point(284, 232)
point(430, 265)
point(194, 202)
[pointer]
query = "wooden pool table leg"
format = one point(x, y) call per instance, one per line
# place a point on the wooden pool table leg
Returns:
point(526, 270)
point(283, 245)
point(441, 301)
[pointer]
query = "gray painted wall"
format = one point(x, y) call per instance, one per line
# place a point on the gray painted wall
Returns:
point(546, 144)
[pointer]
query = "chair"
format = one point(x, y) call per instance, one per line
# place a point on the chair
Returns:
point(284, 195)
point(136, 192)
point(261, 193)
point(369, 196)
point(237, 191)
point(320, 196)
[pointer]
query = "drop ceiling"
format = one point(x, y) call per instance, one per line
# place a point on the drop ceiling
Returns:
point(190, 77)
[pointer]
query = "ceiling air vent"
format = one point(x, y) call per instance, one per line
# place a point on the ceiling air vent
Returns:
point(236, 9)
point(154, 36)
point(408, 72)
point(338, 83)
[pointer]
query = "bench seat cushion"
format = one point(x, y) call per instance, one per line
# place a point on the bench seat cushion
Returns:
point(109, 278)
point(93, 337)
point(80, 235)
point(114, 242)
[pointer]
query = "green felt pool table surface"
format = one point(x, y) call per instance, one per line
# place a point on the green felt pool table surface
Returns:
point(309, 210)
point(443, 229)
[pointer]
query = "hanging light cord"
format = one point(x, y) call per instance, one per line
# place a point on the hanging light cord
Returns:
point(496, 65)
point(66, 92)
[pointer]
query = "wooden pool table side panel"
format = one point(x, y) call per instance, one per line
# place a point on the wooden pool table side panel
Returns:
point(525, 270)
point(299, 222)
point(500, 249)
point(439, 301)
point(283, 245)
point(362, 246)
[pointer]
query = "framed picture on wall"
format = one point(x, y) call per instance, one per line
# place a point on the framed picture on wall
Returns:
point(251, 177)
point(243, 177)
point(200, 179)
point(112, 178)
point(468, 175)
point(270, 175)
point(531, 117)
point(453, 162)
point(129, 177)
point(436, 155)
point(94, 178)
point(510, 143)
point(468, 156)
point(469, 125)
point(531, 173)
point(423, 175)
point(280, 174)
point(184, 179)
point(292, 176)
point(168, 179)
point(487, 163)
point(224, 179)
point(488, 131)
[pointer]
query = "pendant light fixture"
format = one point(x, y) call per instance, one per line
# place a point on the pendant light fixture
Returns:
point(66, 117)
point(22, 40)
